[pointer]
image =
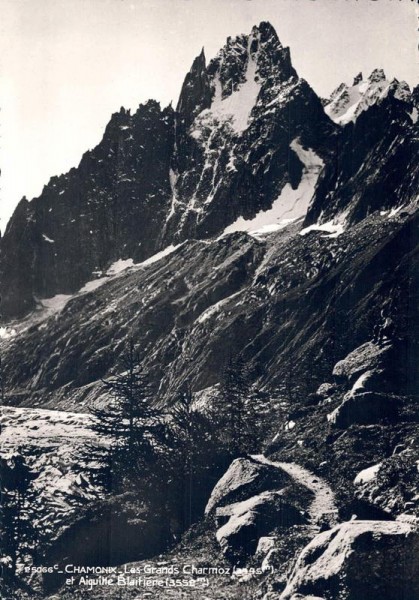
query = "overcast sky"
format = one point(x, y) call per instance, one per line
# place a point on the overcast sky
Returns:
point(66, 65)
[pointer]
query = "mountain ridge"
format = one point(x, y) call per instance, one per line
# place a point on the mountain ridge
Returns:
point(144, 185)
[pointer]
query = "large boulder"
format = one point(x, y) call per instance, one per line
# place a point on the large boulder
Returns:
point(359, 559)
point(365, 408)
point(392, 484)
point(325, 390)
point(245, 478)
point(242, 524)
point(367, 357)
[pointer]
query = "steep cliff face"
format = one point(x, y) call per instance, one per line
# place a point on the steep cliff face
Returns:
point(111, 206)
point(234, 151)
point(375, 167)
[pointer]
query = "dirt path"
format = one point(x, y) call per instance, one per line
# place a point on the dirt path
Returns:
point(324, 499)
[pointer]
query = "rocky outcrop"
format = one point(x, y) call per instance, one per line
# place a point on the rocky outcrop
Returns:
point(245, 478)
point(365, 409)
point(374, 375)
point(240, 525)
point(365, 559)
point(346, 103)
point(195, 95)
point(392, 484)
point(363, 359)
point(325, 390)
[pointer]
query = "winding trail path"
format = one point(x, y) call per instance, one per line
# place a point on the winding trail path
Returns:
point(324, 498)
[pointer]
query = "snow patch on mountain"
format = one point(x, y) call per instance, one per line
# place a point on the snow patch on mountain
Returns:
point(52, 307)
point(119, 266)
point(159, 255)
point(173, 177)
point(291, 204)
point(55, 304)
point(47, 239)
point(7, 332)
point(92, 285)
point(414, 115)
point(333, 228)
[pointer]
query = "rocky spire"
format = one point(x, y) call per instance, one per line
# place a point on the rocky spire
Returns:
point(266, 32)
point(196, 92)
point(358, 79)
point(376, 76)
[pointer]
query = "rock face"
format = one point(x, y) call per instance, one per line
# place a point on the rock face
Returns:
point(111, 206)
point(393, 483)
point(259, 294)
point(238, 117)
point(365, 559)
point(377, 169)
point(367, 357)
point(244, 478)
point(373, 373)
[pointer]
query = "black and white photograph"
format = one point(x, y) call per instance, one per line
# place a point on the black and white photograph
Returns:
point(209, 281)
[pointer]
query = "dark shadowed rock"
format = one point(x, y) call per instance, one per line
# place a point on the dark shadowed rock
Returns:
point(377, 168)
point(112, 206)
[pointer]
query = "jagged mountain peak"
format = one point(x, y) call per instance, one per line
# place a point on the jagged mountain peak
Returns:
point(195, 94)
point(261, 47)
point(346, 103)
point(252, 95)
point(247, 140)
point(358, 78)
point(377, 75)
point(267, 31)
point(231, 84)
